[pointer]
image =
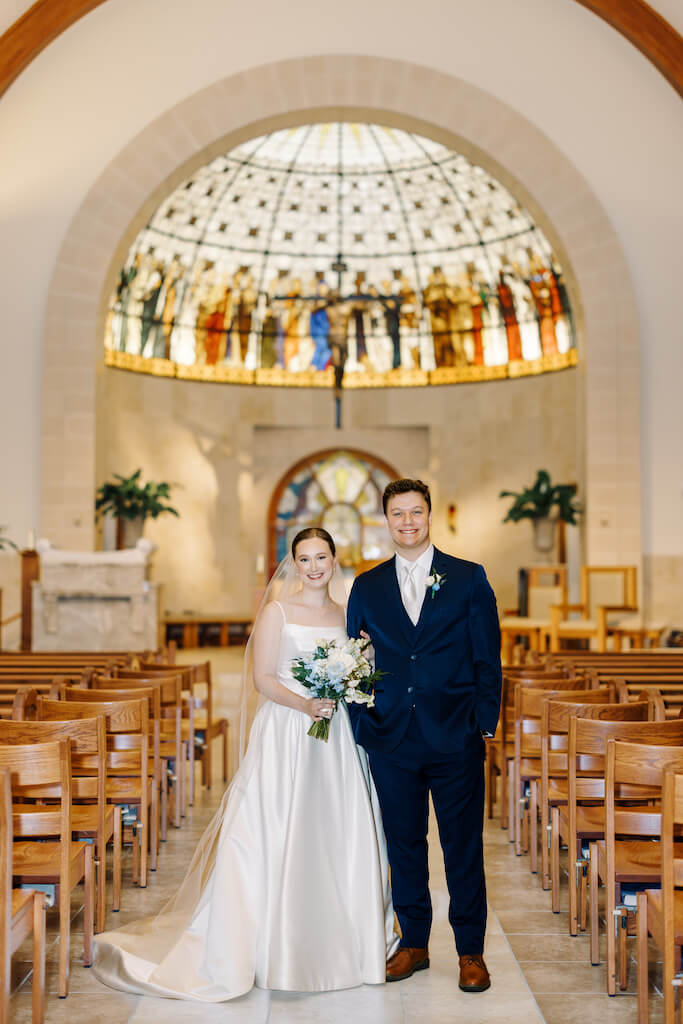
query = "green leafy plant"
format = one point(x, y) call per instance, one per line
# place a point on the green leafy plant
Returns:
point(5, 542)
point(127, 498)
point(542, 500)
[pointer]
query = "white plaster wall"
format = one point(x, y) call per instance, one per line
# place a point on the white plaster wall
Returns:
point(672, 10)
point(10, 10)
point(586, 88)
point(227, 447)
point(10, 585)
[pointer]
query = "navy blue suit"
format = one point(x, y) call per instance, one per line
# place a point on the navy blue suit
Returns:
point(440, 690)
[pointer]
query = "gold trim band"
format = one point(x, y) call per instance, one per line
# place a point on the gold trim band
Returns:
point(280, 378)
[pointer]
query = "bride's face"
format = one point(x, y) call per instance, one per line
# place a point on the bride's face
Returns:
point(314, 563)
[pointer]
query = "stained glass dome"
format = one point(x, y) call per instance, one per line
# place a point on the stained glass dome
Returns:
point(348, 254)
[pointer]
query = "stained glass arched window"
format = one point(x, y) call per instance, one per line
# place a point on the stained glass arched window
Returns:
point(368, 249)
point(341, 491)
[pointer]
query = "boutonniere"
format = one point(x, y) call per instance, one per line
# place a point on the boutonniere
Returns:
point(435, 581)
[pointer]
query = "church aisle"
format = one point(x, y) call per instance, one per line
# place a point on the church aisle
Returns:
point(539, 973)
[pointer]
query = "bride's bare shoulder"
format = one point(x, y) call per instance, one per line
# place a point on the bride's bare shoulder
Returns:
point(271, 613)
point(339, 612)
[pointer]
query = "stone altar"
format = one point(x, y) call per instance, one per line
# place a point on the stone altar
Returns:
point(95, 600)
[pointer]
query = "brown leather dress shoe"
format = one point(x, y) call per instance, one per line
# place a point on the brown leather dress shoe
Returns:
point(474, 977)
point(405, 962)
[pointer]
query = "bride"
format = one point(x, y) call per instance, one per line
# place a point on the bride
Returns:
point(288, 887)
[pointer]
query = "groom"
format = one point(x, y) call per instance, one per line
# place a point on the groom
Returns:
point(433, 623)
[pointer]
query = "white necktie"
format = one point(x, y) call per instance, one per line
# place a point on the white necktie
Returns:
point(411, 600)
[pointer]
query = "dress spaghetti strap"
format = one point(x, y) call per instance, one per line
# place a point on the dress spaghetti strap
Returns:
point(284, 617)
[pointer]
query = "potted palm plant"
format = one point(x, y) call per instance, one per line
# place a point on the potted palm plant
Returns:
point(544, 503)
point(130, 502)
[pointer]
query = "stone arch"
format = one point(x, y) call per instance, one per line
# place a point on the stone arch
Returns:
point(362, 88)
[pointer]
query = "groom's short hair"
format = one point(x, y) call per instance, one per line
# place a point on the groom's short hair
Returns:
point(404, 487)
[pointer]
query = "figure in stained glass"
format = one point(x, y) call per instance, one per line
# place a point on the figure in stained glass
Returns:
point(437, 297)
point(437, 266)
point(339, 315)
point(320, 327)
point(509, 313)
point(169, 300)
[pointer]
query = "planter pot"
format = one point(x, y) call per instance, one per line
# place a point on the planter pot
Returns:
point(129, 532)
point(545, 530)
point(110, 529)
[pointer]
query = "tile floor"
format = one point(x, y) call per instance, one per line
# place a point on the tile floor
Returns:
point(539, 972)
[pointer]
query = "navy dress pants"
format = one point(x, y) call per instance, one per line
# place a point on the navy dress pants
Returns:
point(404, 779)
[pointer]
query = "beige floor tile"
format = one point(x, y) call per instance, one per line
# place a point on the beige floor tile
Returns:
point(558, 978)
point(365, 1005)
point(532, 922)
point(449, 1004)
point(558, 948)
point(592, 1009)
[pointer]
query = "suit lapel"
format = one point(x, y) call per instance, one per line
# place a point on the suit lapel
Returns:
point(429, 598)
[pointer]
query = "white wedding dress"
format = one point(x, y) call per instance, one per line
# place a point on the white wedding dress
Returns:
point(288, 888)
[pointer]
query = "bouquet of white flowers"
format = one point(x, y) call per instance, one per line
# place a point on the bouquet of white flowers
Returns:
point(334, 671)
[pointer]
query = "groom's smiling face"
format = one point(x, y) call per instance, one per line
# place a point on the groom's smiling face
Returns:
point(408, 518)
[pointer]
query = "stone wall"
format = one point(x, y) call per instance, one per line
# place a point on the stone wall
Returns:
point(226, 447)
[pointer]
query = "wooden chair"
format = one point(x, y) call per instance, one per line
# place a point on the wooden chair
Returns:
point(43, 771)
point(596, 606)
point(581, 817)
point(152, 695)
point(493, 745)
point(200, 728)
point(169, 743)
point(660, 911)
point(632, 859)
point(206, 727)
point(529, 702)
point(22, 911)
point(91, 818)
point(150, 670)
point(546, 586)
point(665, 690)
point(639, 631)
point(172, 747)
point(503, 745)
point(128, 783)
point(533, 759)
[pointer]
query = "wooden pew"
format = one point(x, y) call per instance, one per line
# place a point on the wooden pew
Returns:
point(22, 911)
point(501, 749)
point(168, 743)
point(128, 784)
point(573, 822)
point(150, 839)
point(666, 692)
point(43, 770)
point(11, 688)
point(92, 819)
point(660, 911)
point(635, 857)
point(528, 771)
point(663, 656)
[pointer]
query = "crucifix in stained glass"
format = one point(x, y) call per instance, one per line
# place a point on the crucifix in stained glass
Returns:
point(338, 315)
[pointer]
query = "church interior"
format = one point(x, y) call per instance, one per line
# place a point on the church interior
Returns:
point(257, 262)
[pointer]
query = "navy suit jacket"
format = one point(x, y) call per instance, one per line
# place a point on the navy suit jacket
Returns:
point(447, 666)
